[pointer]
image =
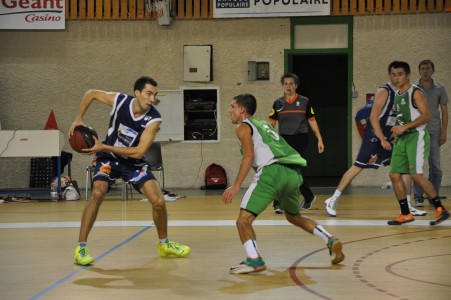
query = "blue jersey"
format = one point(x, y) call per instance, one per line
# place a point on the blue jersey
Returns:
point(371, 153)
point(125, 128)
point(387, 117)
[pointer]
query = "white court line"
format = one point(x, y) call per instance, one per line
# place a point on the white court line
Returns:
point(210, 223)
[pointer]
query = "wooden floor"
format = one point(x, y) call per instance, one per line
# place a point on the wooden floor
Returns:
point(382, 262)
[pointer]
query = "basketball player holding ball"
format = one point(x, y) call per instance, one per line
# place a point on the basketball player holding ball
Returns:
point(133, 125)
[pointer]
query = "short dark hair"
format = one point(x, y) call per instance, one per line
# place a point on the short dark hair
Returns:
point(426, 62)
point(141, 82)
point(290, 75)
point(247, 101)
point(399, 64)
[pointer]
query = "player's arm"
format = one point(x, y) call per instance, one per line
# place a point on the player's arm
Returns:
point(273, 115)
point(145, 141)
point(444, 109)
point(310, 115)
point(315, 129)
point(379, 101)
point(89, 97)
point(272, 122)
point(244, 134)
point(419, 101)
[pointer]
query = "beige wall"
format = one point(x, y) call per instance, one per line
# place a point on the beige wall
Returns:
point(48, 70)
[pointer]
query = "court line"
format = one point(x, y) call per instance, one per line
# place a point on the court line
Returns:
point(148, 224)
point(81, 268)
point(210, 223)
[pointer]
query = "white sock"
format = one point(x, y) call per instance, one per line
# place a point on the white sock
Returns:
point(320, 232)
point(337, 195)
point(408, 201)
point(251, 249)
point(165, 240)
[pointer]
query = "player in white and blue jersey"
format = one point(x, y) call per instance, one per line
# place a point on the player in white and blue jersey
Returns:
point(134, 123)
point(376, 147)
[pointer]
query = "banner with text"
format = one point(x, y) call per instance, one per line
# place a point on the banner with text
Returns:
point(32, 14)
point(270, 8)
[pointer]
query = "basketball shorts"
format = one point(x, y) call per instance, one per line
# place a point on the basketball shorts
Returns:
point(371, 154)
point(410, 152)
point(275, 181)
point(109, 169)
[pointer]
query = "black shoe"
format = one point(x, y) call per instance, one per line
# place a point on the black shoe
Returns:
point(277, 209)
point(308, 205)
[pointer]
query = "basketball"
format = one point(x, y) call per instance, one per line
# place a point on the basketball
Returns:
point(82, 138)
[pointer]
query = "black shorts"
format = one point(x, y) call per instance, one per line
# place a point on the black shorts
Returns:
point(109, 169)
point(371, 154)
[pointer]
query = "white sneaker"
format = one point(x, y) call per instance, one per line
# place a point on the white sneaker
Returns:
point(417, 212)
point(169, 196)
point(331, 206)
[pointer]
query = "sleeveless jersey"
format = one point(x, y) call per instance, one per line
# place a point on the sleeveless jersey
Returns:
point(387, 116)
point(405, 110)
point(125, 129)
point(270, 147)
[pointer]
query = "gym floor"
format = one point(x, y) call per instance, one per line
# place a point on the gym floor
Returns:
point(382, 262)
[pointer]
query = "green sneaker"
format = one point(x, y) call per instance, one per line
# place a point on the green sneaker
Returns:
point(335, 247)
point(248, 266)
point(81, 256)
point(170, 247)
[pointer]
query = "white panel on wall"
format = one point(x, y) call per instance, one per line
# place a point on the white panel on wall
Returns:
point(321, 36)
point(170, 106)
point(197, 63)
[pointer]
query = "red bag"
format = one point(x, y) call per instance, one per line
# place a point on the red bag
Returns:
point(215, 178)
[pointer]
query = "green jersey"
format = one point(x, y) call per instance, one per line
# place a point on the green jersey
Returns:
point(405, 111)
point(270, 147)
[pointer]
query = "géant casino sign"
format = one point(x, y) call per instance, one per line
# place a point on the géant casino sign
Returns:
point(32, 14)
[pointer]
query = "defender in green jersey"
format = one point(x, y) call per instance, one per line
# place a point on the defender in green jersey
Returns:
point(277, 177)
point(412, 144)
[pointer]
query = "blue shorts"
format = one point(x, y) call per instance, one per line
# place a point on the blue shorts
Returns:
point(109, 169)
point(371, 154)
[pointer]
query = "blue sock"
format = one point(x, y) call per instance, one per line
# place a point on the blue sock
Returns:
point(82, 244)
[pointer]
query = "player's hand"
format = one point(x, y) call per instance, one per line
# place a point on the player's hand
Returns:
point(229, 193)
point(442, 138)
point(72, 127)
point(397, 130)
point(385, 144)
point(320, 147)
point(98, 147)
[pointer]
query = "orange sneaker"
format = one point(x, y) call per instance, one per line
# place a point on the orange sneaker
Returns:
point(402, 219)
point(440, 216)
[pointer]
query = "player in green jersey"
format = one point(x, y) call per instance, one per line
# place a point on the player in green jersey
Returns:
point(412, 144)
point(277, 177)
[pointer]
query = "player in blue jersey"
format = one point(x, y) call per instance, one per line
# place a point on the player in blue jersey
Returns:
point(376, 146)
point(134, 123)
point(277, 176)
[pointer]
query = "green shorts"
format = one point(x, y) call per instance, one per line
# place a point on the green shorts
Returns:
point(275, 181)
point(410, 152)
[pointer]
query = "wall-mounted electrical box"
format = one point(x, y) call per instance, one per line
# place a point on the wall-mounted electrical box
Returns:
point(258, 70)
point(198, 63)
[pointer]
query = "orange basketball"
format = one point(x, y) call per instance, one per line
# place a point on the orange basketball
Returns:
point(82, 138)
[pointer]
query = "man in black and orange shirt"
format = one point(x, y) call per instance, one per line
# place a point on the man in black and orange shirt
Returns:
point(293, 115)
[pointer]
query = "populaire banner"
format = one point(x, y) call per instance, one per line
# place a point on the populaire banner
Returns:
point(270, 8)
point(32, 14)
